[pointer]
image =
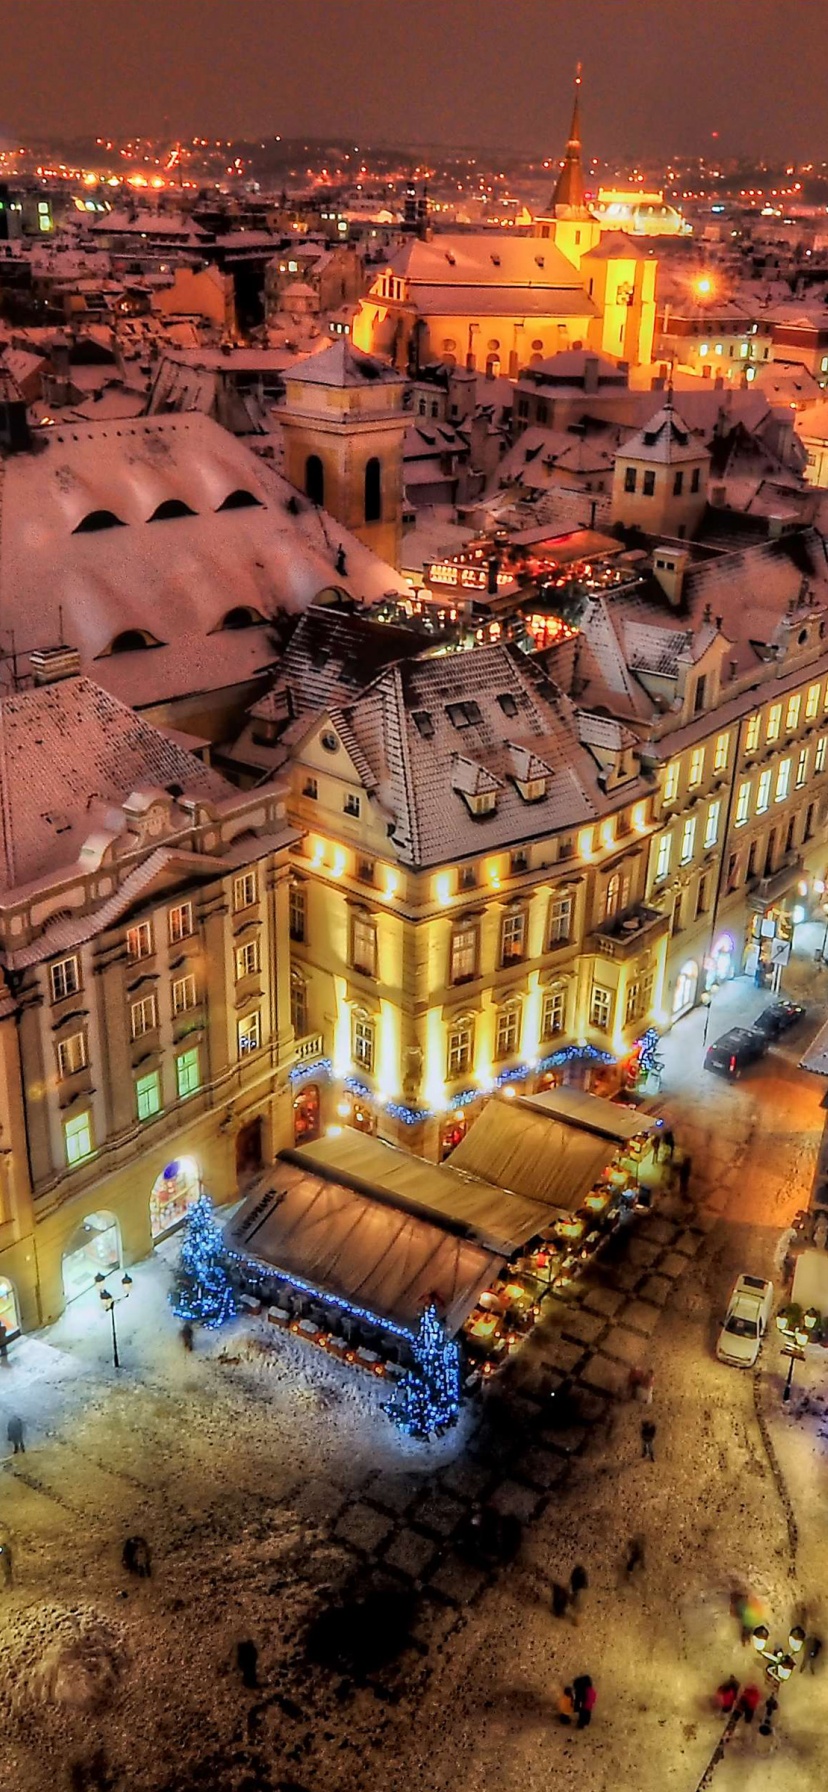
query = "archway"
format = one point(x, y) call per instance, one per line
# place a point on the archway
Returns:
point(177, 1187)
point(723, 958)
point(314, 479)
point(306, 1115)
point(249, 1150)
point(9, 1310)
point(373, 490)
point(93, 1249)
point(686, 986)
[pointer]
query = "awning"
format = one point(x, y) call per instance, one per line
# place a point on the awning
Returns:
point(816, 1057)
point(530, 1152)
point(335, 1241)
point(593, 1113)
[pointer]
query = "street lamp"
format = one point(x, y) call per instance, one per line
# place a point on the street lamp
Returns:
point(706, 999)
point(780, 1662)
point(109, 1303)
point(796, 1337)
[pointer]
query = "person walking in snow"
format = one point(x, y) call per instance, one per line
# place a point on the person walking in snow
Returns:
point(6, 1566)
point(727, 1694)
point(566, 1706)
point(187, 1335)
point(584, 1696)
point(578, 1583)
point(14, 1433)
point(749, 1699)
point(635, 1556)
point(812, 1654)
point(648, 1432)
point(560, 1600)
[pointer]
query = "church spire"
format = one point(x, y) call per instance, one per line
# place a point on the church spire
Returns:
point(569, 197)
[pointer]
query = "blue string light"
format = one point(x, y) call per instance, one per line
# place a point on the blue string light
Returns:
point(428, 1397)
point(323, 1295)
point(411, 1116)
point(202, 1290)
point(303, 1073)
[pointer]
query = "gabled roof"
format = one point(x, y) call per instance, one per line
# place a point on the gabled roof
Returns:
point(665, 439)
point(484, 258)
point(471, 779)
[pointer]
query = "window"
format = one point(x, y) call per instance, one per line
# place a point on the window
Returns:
point(733, 871)
point(663, 857)
point(468, 877)
point(298, 1004)
point(183, 994)
point(560, 920)
point(819, 762)
point(695, 479)
point(678, 484)
point(363, 1042)
point(77, 1135)
point(630, 479)
point(148, 1095)
point(373, 490)
point(64, 978)
point(247, 959)
point(512, 935)
point(71, 1054)
point(518, 862)
point(699, 694)
point(671, 781)
point(750, 870)
point(181, 922)
point(553, 1013)
point(720, 755)
point(314, 479)
point(783, 780)
point(298, 912)
point(792, 711)
point(143, 1017)
point(507, 1032)
point(249, 1032)
point(774, 721)
point(701, 896)
point(633, 1005)
point(696, 766)
point(648, 487)
point(187, 1072)
point(600, 1007)
point(351, 804)
point(809, 822)
point(365, 871)
point(139, 941)
point(752, 734)
point(812, 703)
point(463, 954)
point(616, 895)
point(688, 839)
point(711, 826)
point(802, 768)
point(460, 1048)
point(742, 805)
point(244, 891)
point(763, 792)
point(310, 788)
point(364, 945)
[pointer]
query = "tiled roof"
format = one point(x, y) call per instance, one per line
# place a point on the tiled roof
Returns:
point(484, 258)
point(666, 439)
point(344, 365)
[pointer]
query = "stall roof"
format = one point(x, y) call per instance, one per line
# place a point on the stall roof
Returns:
point(816, 1057)
point(380, 1258)
point(591, 1113)
point(502, 1220)
point(528, 1150)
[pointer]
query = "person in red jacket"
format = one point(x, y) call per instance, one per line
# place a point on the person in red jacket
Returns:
point(749, 1698)
point(584, 1696)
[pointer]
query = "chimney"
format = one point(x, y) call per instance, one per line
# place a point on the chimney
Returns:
point(51, 664)
point(591, 366)
point(670, 566)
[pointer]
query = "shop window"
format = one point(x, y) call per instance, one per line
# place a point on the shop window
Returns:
point(460, 1048)
point(298, 913)
point(139, 941)
point(364, 945)
point(71, 1054)
point(180, 922)
point(249, 1034)
point(463, 954)
point(148, 1095)
point(247, 960)
point(143, 1016)
point(244, 891)
point(77, 1137)
point(173, 1192)
point(64, 978)
point(508, 1031)
point(686, 985)
point(306, 1115)
point(187, 1073)
point(600, 1007)
point(512, 937)
point(363, 1034)
point(553, 1014)
point(94, 1249)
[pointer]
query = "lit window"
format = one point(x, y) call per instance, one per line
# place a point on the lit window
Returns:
point(688, 839)
point(802, 768)
point(64, 978)
point(247, 959)
point(711, 827)
point(696, 766)
point(298, 1004)
point(819, 762)
point(600, 1007)
point(663, 857)
point(183, 994)
point(298, 912)
point(71, 1054)
point(752, 733)
point(720, 756)
point(560, 920)
point(671, 780)
point(139, 941)
point(351, 804)
point(774, 721)
point(742, 805)
point(188, 1076)
point(364, 945)
point(783, 780)
point(812, 704)
point(244, 890)
point(77, 1135)
point(148, 1095)
point(181, 922)
point(507, 1032)
point(512, 936)
point(249, 1034)
point(143, 1017)
point(792, 711)
point(704, 348)
point(460, 1048)
point(553, 1014)
point(763, 792)
point(463, 954)
point(616, 895)
point(363, 1042)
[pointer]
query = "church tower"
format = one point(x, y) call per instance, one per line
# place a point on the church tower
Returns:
point(343, 424)
point(570, 223)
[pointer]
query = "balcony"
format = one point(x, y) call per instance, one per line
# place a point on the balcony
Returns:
point(309, 1048)
point(622, 936)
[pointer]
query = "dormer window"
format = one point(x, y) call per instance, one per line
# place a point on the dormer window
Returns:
point(484, 803)
point(533, 790)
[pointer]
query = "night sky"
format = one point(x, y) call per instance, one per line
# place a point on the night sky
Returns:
point(660, 76)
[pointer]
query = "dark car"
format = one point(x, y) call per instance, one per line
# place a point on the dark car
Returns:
point(778, 1018)
point(730, 1053)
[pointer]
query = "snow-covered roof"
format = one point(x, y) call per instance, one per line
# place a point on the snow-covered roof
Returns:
point(344, 365)
point(486, 258)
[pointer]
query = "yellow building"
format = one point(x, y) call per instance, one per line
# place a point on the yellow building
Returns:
point(659, 482)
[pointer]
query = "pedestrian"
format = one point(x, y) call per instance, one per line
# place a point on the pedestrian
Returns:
point(727, 1694)
point(560, 1600)
point(187, 1335)
point(247, 1661)
point(668, 1143)
point(584, 1695)
point(566, 1706)
point(4, 1346)
point(6, 1564)
point(811, 1654)
point(135, 1557)
point(578, 1582)
point(771, 1707)
point(685, 1168)
point(749, 1699)
point(648, 1432)
point(14, 1433)
point(635, 1555)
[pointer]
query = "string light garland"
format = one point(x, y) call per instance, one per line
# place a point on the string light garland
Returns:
point(428, 1397)
point(258, 1272)
point(202, 1290)
point(413, 1116)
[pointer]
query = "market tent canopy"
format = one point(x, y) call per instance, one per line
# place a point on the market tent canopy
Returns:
point(609, 1119)
point(502, 1220)
point(816, 1057)
point(340, 1243)
point(526, 1149)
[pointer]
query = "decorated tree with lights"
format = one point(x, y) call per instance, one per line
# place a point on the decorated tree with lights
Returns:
point(202, 1291)
point(428, 1398)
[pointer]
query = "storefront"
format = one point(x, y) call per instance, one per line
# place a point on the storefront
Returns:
point(687, 983)
point(94, 1249)
point(173, 1192)
point(721, 965)
point(307, 1121)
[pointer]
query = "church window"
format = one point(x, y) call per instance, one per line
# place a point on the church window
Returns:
point(373, 490)
point(314, 479)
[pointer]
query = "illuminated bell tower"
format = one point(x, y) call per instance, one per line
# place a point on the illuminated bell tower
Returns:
point(343, 424)
point(570, 222)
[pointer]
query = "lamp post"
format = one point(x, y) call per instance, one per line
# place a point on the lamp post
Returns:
point(706, 999)
point(780, 1662)
point(109, 1303)
point(796, 1338)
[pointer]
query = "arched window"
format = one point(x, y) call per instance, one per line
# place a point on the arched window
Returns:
point(373, 490)
point(98, 519)
point(611, 898)
point(239, 500)
point(314, 479)
point(171, 507)
point(131, 639)
point(243, 616)
point(492, 367)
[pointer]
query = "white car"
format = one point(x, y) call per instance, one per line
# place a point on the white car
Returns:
point(746, 1321)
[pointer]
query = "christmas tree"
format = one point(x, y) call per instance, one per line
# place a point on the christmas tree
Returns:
point(202, 1291)
point(429, 1395)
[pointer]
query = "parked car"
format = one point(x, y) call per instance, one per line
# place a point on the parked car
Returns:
point(730, 1053)
point(778, 1018)
point(746, 1321)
